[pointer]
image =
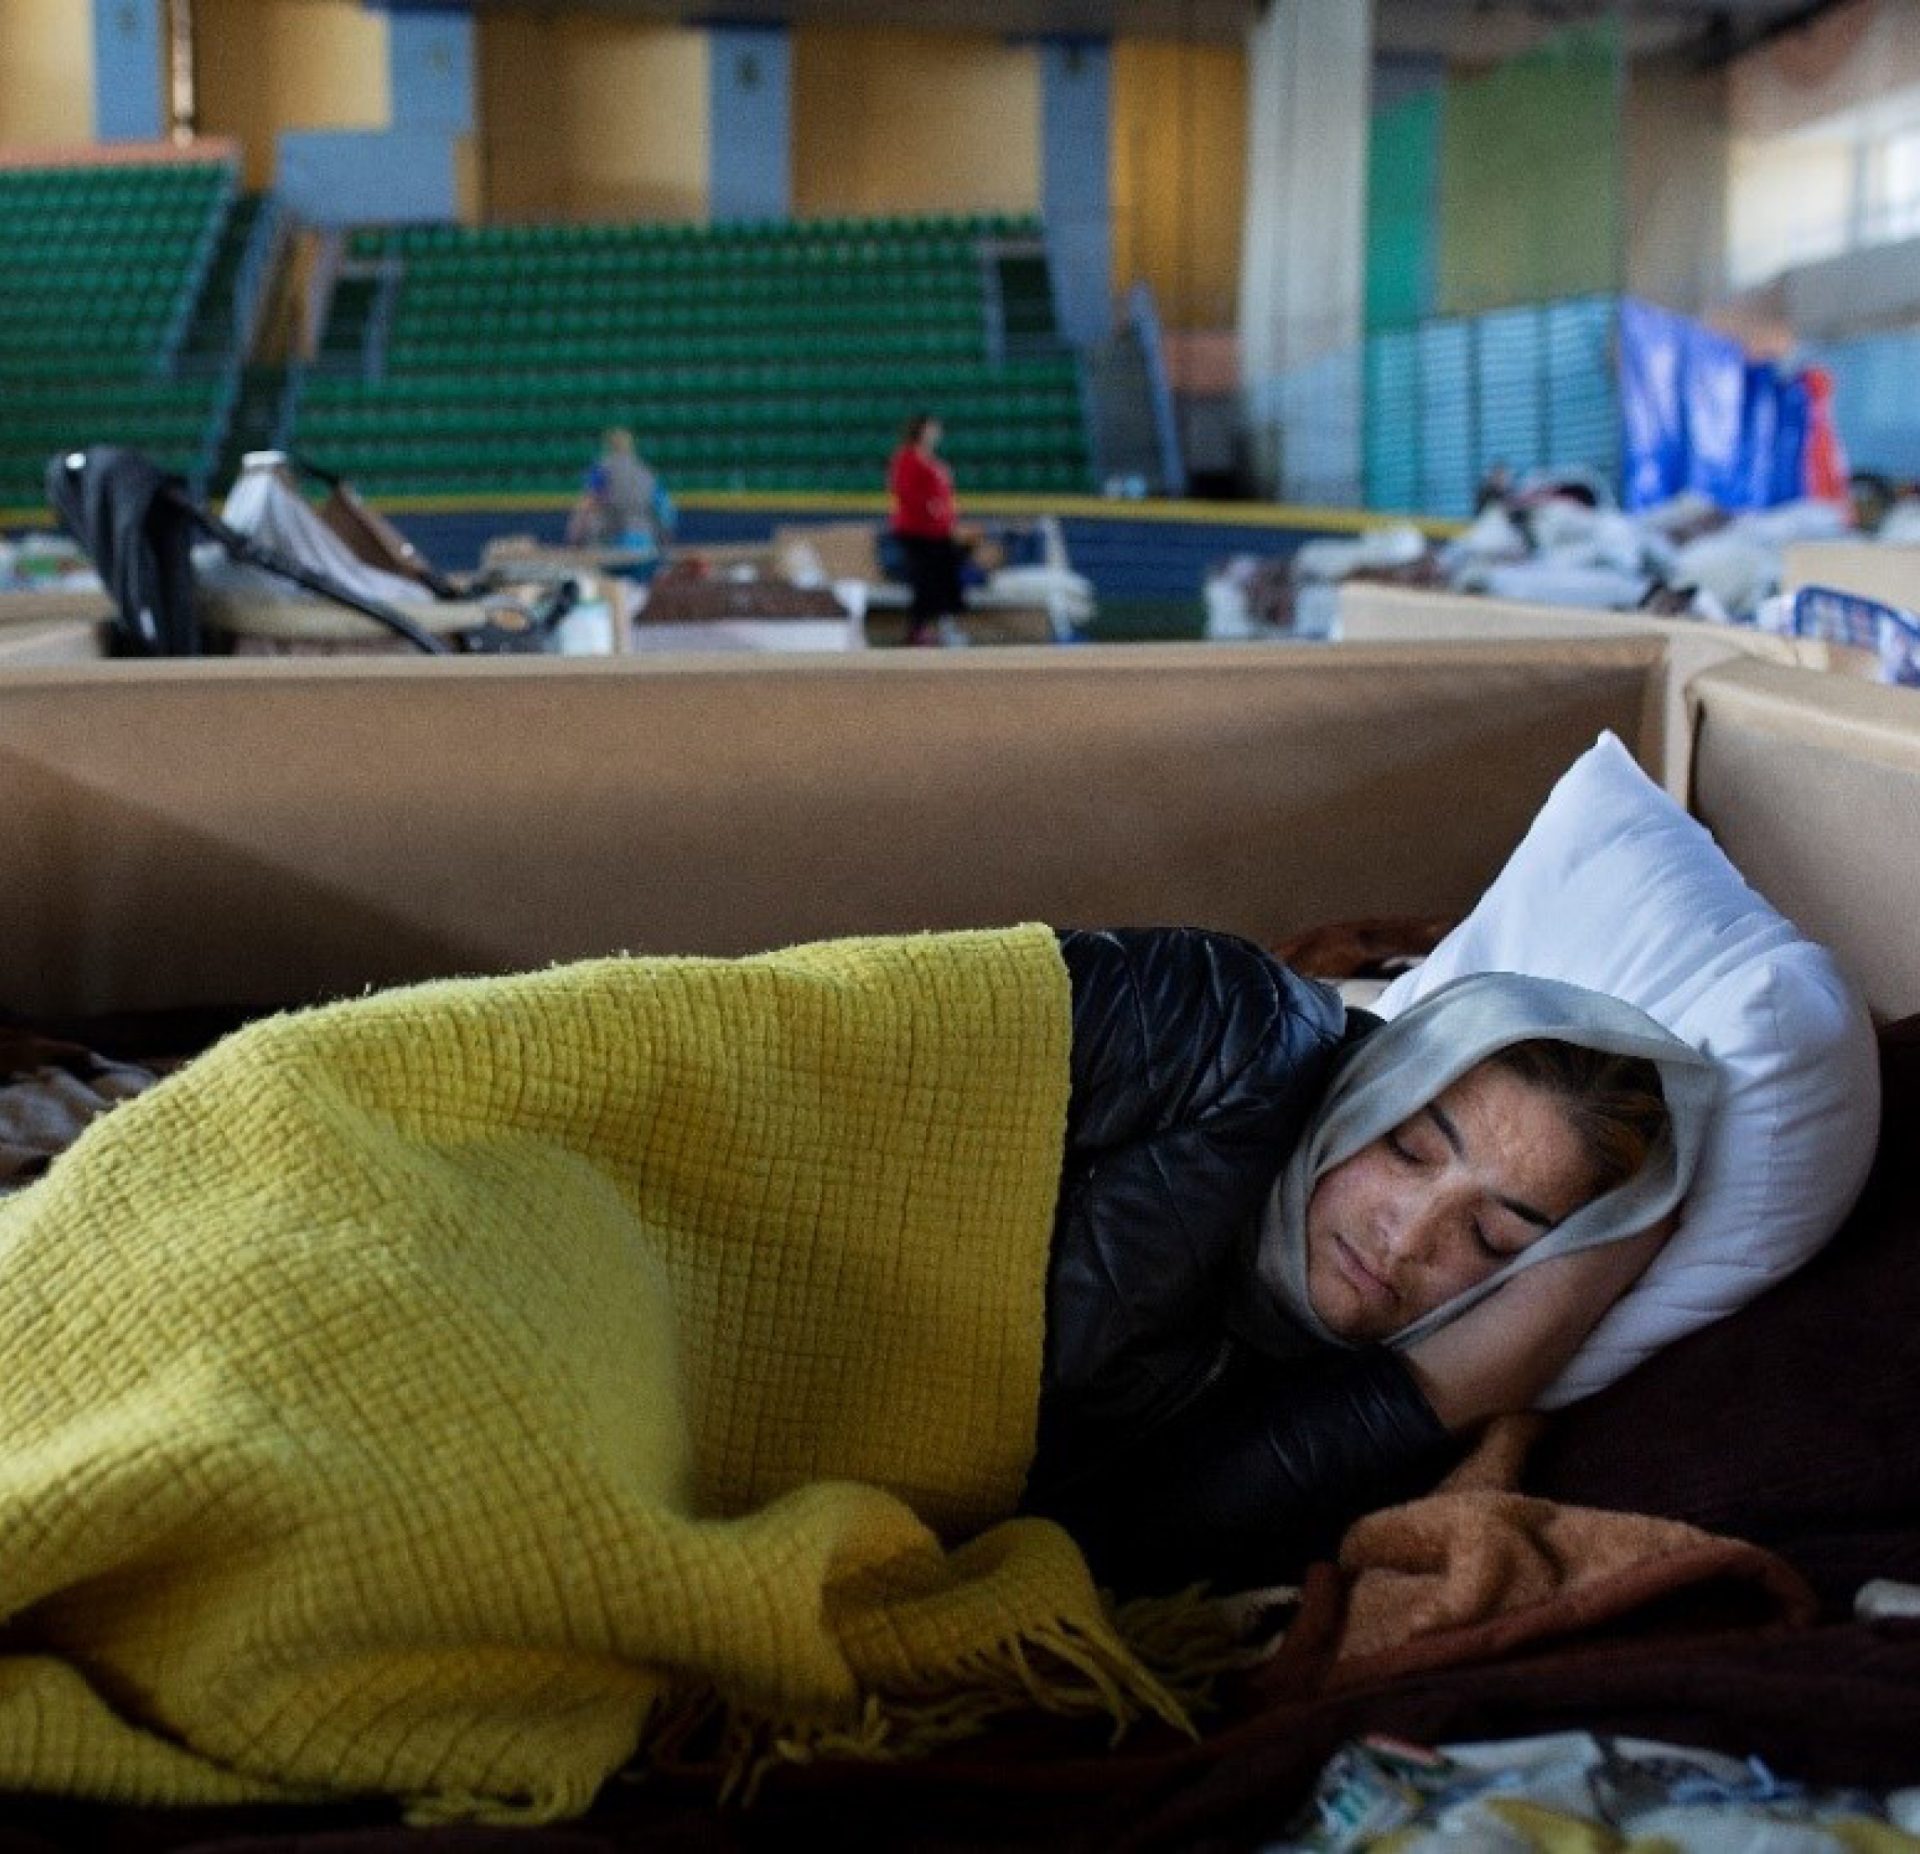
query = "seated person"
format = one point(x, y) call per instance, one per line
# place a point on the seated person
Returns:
point(623, 503)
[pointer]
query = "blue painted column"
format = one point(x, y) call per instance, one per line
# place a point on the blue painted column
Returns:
point(750, 122)
point(129, 70)
point(410, 171)
point(430, 56)
point(1075, 200)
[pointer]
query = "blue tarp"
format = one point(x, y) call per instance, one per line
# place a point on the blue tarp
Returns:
point(1653, 411)
point(1698, 415)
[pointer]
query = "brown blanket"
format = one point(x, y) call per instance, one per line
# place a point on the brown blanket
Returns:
point(1477, 1570)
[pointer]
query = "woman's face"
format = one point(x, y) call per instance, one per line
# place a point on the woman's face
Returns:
point(1446, 1199)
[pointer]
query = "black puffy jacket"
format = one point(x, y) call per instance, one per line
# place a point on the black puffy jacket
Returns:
point(1170, 1448)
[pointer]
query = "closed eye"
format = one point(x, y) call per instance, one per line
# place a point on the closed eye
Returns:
point(1496, 1251)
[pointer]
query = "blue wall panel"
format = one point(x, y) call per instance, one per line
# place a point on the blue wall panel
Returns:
point(1876, 400)
point(356, 176)
point(1075, 201)
point(750, 132)
point(430, 56)
point(408, 172)
point(129, 70)
point(1531, 388)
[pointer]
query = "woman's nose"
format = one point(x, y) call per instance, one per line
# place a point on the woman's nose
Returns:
point(1408, 1228)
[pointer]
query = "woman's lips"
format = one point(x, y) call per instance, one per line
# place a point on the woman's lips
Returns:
point(1361, 1276)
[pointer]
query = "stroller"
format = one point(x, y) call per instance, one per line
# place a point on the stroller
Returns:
point(139, 526)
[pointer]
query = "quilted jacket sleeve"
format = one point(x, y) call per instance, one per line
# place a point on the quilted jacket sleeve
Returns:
point(1197, 1061)
point(1168, 1449)
point(1257, 1476)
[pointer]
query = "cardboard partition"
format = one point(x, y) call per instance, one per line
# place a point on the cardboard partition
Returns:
point(844, 549)
point(1370, 613)
point(259, 832)
point(1812, 785)
point(1867, 569)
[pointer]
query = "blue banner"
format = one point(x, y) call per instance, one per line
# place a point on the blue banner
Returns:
point(1698, 415)
point(1653, 414)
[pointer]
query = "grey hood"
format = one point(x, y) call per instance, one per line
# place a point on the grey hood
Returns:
point(1399, 1068)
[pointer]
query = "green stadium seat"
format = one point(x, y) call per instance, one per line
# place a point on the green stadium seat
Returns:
point(746, 353)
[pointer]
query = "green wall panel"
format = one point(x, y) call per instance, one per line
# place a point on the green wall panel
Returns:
point(1530, 177)
point(1403, 185)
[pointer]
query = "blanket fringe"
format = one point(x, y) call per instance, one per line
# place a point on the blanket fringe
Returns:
point(1162, 1660)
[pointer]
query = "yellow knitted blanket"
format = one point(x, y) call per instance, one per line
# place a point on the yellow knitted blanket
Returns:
point(445, 1393)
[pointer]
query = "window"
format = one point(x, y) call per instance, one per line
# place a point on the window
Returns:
point(1790, 202)
point(1895, 212)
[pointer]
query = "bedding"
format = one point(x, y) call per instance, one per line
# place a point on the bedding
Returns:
point(1799, 1413)
point(1544, 1795)
point(443, 1393)
point(50, 1090)
point(1793, 1424)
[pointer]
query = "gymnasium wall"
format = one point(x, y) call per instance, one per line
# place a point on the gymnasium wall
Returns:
point(267, 65)
point(1677, 156)
point(583, 116)
point(892, 121)
point(1531, 180)
point(1179, 163)
point(46, 73)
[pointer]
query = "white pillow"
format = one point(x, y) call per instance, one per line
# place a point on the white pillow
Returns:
point(1616, 888)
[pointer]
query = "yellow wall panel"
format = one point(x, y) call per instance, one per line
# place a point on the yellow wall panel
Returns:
point(586, 116)
point(1179, 175)
point(888, 120)
point(46, 73)
point(266, 65)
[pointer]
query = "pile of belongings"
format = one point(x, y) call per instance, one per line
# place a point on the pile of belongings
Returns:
point(684, 594)
point(45, 563)
point(1557, 540)
point(352, 548)
point(1572, 1790)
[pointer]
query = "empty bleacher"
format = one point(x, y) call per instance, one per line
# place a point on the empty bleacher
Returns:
point(754, 356)
point(106, 268)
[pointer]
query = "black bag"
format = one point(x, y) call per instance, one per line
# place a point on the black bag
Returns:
point(132, 519)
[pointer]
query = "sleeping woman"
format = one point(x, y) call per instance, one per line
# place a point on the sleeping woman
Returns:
point(1298, 1252)
point(440, 1393)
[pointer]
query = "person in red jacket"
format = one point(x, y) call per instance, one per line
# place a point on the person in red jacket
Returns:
point(924, 525)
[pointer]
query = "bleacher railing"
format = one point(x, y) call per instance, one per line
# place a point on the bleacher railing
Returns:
point(1143, 318)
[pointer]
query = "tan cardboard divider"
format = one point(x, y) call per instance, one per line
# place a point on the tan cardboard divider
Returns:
point(1889, 574)
point(1812, 785)
point(1381, 614)
point(256, 832)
